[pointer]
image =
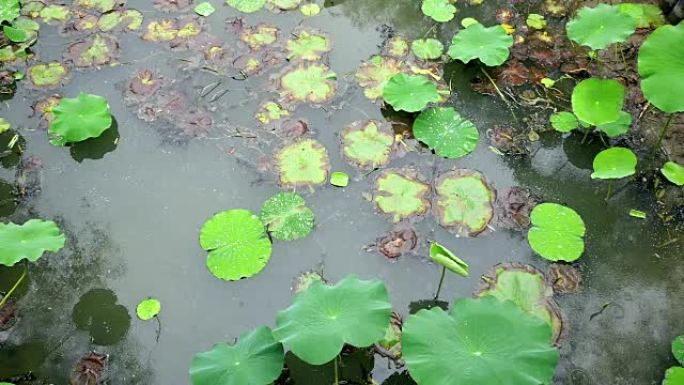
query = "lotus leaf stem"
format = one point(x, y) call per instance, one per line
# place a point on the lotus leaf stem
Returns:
point(16, 285)
point(586, 134)
point(337, 374)
point(610, 189)
point(663, 132)
point(441, 281)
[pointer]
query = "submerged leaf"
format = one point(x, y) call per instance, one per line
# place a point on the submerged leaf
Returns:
point(464, 201)
point(246, 6)
point(661, 66)
point(446, 132)
point(28, 241)
point(600, 27)
point(314, 84)
point(557, 232)
point(304, 163)
point(49, 75)
point(400, 195)
point(427, 48)
point(618, 127)
point(674, 172)
point(410, 93)
point(286, 216)
point(439, 10)
point(259, 36)
point(614, 163)
point(374, 74)
point(148, 309)
point(204, 9)
point(237, 244)
point(598, 101)
point(9, 10)
point(77, 119)
point(322, 319)
point(367, 144)
point(307, 46)
point(489, 45)
point(564, 121)
point(446, 258)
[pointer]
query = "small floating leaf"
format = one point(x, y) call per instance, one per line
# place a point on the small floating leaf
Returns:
point(674, 172)
point(614, 163)
point(400, 195)
point(148, 309)
point(427, 48)
point(307, 46)
point(678, 349)
point(259, 36)
point(618, 127)
point(204, 9)
point(256, 359)
point(246, 6)
point(557, 232)
point(600, 27)
point(77, 119)
point(322, 319)
point(674, 376)
point(598, 101)
point(237, 244)
point(311, 9)
point(645, 15)
point(314, 83)
point(339, 179)
point(28, 241)
point(439, 10)
point(54, 12)
point(97, 5)
point(536, 21)
point(446, 132)
point(374, 74)
point(282, 5)
point(564, 121)
point(661, 67)
point(286, 216)
point(446, 258)
point(489, 45)
point(304, 163)
point(271, 111)
point(410, 93)
point(4, 125)
point(397, 47)
point(9, 10)
point(367, 144)
point(49, 75)
point(464, 201)
point(637, 214)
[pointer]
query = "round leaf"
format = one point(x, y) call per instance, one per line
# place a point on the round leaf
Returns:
point(439, 10)
point(314, 84)
point(446, 132)
point(311, 9)
point(618, 127)
point(400, 195)
point(557, 232)
point(304, 163)
point(246, 6)
point(600, 27)
point(678, 349)
point(339, 179)
point(307, 46)
point(75, 120)
point(481, 341)
point(9, 10)
point(148, 309)
point(674, 172)
point(464, 201)
point(256, 359)
point(490, 45)
point(237, 244)
point(204, 9)
point(598, 101)
point(427, 48)
point(410, 93)
point(367, 144)
point(322, 319)
point(374, 74)
point(564, 121)
point(614, 163)
point(674, 376)
point(286, 216)
point(47, 75)
point(29, 240)
point(661, 66)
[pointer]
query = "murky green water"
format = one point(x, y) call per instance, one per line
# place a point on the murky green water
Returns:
point(133, 218)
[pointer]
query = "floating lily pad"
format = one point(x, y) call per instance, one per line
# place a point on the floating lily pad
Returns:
point(148, 309)
point(678, 349)
point(237, 244)
point(314, 83)
point(311, 9)
point(446, 132)
point(488, 44)
point(55, 12)
point(427, 48)
point(674, 376)
point(28, 241)
point(367, 144)
point(645, 15)
point(614, 163)
point(9, 10)
point(400, 195)
point(204, 9)
point(598, 101)
point(439, 10)
point(410, 93)
point(527, 288)
point(464, 201)
point(322, 319)
point(99, 50)
point(339, 179)
point(618, 127)
point(97, 5)
point(259, 36)
point(536, 21)
point(307, 46)
point(256, 359)
point(674, 172)
point(282, 5)
point(247, 6)
point(77, 119)
point(474, 344)
point(271, 111)
point(564, 121)
point(557, 232)
point(48, 75)
point(600, 27)
point(374, 74)
point(661, 66)
point(397, 46)
point(304, 163)
point(286, 216)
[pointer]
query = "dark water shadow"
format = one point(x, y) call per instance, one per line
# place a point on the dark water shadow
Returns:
point(355, 369)
point(581, 155)
point(98, 313)
point(8, 199)
point(402, 378)
point(11, 148)
point(20, 359)
point(416, 306)
point(96, 148)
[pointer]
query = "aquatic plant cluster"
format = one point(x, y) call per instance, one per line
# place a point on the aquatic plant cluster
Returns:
point(510, 330)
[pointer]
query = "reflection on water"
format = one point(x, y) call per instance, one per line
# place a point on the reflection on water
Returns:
point(98, 313)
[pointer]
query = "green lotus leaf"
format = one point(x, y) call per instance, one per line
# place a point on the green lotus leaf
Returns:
point(314, 83)
point(557, 232)
point(271, 111)
point(246, 6)
point(439, 10)
point(488, 44)
point(600, 27)
point(14, 34)
point(259, 36)
point(286, 216)
point(564, 121)
point(148, 309)
point(678, 349)
point(256, 359)
point(400, 195)
point(598, 101)
point(98, 5)
point(367, 144)
point(481, 341)
point(322, 319)
point(99, 50)
point(339, 179)
point(661, 66)
point(77, 119)
point(410, 93)
point(446, 132)
point(311, 9)
point(55, 12)
point(283, 5)
point(446, 258)
point(307, 46)
point(237, 244)
point(28, 241)
point(397, 47)
point(618, 127)
point(645, 15)
point(427, 48)
point(9, 10)
point(674, 376)
point(464, 201)
point(374, 74)
point(4, 126)
point(109, 21)
point(48, 75)
point(674, 172)
point(304, 163)
point(527, 288)
point(614, 163)
point(536, 21)
point(204, 9)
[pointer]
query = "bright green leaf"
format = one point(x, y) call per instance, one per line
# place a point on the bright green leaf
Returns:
point(618, 127)
point(148, 309)
point(536, 21)
point(427, 48)
point(314, 84)
point(564, 121)
point(598, 101)
point(614, 163)
point(77, 119)
point(489, 45)
point(600, 27)
point(307, 46)
point(637, 213)
point(446, 258)
point(9, 10)
point(439, 10)
point(661, 66)
point(204, 9)
point(674, 376)
point(286, 216)
point(246, 6)
point(311, 9)
point(464, 201)
point(674, 172)
point(678, 349)
point(304, 163)
point(557, 232)
point(339, 179)
point(446, 132)
point(400, 195)
point(410, 93)
point(28, 241)
point(645, 15)
point(367, 144)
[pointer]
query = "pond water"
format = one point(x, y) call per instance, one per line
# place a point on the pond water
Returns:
point(133, 214)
